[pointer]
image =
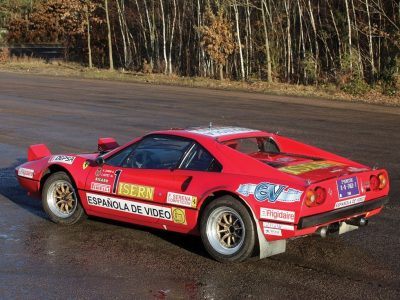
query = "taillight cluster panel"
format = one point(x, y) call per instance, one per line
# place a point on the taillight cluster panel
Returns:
point(316, 196)
point(377, 182)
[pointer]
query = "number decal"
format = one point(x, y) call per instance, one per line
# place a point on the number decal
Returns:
point(116, 179)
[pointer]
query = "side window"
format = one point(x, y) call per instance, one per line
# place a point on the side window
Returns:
point(156, 152)
point(117, 159)
point(253, 145)
point(199, 159)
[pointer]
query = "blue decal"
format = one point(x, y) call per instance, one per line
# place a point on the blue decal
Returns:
point(268, 191)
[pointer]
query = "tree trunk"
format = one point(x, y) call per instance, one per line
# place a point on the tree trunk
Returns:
point(110, 52)
point(88, 36)
point(349, 34)
point(316, 41)
point(151, 33)
point(164, 38)
point(269, 65)
point(121, 26)
point(171, 38)
point(371, 49)
point(338, 36)
point(235, 8)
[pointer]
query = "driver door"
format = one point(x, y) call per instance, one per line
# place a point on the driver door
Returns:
point(135, 181)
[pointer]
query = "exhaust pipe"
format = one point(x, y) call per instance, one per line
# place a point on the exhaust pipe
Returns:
point(360, 222)
point(330, 229)
point(322, 232)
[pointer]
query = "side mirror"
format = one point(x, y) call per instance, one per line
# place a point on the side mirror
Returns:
point(100, 161)
point(106, 144)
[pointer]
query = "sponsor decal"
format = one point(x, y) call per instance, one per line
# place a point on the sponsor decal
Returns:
point(105, 180)
point(179, 215)
point(277, 214)
point(310, 166)
point(182, 199)
point(136, 208)
point(104, 173)
point(270, 191)
point(221, 131)
point(135, 191)
point(349, 202)
point(105, 188)
point(64, 159)
point(85, 165)
point(116, 179)
point(28, 173)
point(278, 226)
point(272, 231)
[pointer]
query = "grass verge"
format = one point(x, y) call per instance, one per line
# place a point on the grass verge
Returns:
point(329, 91)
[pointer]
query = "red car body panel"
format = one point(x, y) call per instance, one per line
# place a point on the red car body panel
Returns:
point(273, 186)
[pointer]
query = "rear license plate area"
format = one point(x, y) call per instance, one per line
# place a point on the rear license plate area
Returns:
point(347, 187)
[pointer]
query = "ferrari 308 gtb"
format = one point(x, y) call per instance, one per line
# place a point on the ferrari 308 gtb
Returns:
point(245, 192)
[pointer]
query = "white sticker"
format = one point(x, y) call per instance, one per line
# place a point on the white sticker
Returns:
point(137, 208)
point(221, 131)
point(23, 172)
point(276, 214)
point(271, 231)
point(64, 159)
point(182, 199)
point(349, 202)
point(105, 188)
point(278, 226)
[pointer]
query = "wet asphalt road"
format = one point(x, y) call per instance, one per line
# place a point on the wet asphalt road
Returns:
point(100, 259)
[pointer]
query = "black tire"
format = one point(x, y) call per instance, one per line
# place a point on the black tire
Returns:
point(220, 230)
point(60, 200)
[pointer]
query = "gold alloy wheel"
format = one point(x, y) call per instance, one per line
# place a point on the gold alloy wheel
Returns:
point(61, 198)
point(225, 230)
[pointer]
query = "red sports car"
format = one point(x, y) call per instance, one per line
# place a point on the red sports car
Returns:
point(243, 191)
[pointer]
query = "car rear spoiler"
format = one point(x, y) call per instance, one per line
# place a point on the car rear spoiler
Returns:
point(38, 151)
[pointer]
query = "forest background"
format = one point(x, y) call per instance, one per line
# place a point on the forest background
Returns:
point(353, 45)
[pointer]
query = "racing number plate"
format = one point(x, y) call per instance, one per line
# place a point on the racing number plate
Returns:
point(347, 187)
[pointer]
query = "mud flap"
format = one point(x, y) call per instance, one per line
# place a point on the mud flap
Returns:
point(269, 248)
point(344, 227)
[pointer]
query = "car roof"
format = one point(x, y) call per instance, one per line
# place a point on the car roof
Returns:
point(218, 133)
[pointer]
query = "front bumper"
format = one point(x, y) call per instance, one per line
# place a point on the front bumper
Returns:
point(310, 221)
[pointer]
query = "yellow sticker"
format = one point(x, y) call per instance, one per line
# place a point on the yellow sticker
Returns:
point(310, 166)
point(179, 215)
point(194, 202)
point(136, 191)
point(85, 165)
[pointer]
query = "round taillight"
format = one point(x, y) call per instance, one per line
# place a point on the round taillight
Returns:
point(320, 195)
point(382, 181)
point(311, 198)
point(374, 183)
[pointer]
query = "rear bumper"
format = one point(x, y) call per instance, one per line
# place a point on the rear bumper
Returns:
point(310, 221)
